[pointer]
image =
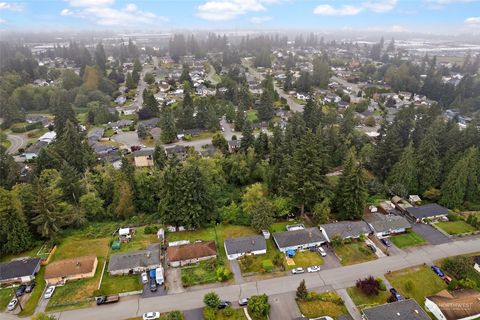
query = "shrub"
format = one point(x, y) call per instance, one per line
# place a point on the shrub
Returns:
point(175, 315)
point(223, 274)
point(209, 313)
point(278, 259)
point(453, 285)
point(381, 283)
point(267, 265)
point(459, 267)
point(452, 217)
point(258, 306)
point(211, 299)
point(150, 230)
point(302, 291)
point(368, 286)
point(228, 311)
point(467, 283)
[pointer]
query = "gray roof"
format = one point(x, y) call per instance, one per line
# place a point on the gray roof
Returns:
point(18, 268)
point(346, 229)
point(143, 152)
point(131, 260)
point(95, 134)
point(36, 147)
point(298, 237)
point(427, 210)
point(387, 222)
point(245, 244)
point(400, 310)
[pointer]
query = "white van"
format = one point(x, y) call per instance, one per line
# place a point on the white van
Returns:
point(159, 275)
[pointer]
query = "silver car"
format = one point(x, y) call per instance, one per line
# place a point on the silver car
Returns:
point(12, 304)
point(49, 292)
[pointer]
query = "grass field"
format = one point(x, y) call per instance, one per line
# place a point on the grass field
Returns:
point(322, 307)
point(31, 304)
point(140, 241)
point(417, 282)
point(408, 239)
point(455, 227)
point(118, 284)
point(355, 252)
point(306, 259)
point(238, 314)
point(363, 301)
point(5, 297)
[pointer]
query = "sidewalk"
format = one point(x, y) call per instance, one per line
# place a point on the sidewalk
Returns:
point(351, 307)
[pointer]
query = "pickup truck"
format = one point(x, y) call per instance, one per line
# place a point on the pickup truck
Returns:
point(107, 299)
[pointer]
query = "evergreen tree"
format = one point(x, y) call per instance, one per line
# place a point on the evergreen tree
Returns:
point(404, 172)
point(262, 214)
point(302, 290)
point(219, 142)
point(8, 169)
point(71, 148)
point(186, 119)
point(142, 132)
point(288, 83)
point(62, 115)
point(185, 76)
point(100, 57)
point(266, 110)
point(14, 234)
point(122, 205)
point(167, 125)
point(428, 158)
point(248, 139)
point(312, 115)
point(129, 82)
point(351, 195)
point(70, 183)
point(261, 146)
point(321, 73)
point(239, 119)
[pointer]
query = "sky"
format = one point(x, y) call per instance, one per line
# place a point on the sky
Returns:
point(429, 16)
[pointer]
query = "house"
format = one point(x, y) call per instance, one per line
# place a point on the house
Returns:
point(179, 151)
point(476, 263)
point(233, 145)
point(238, 247)
point(70, 269)
point(22, 270)
point(386, 225)
point(191, 253)
point(454, 305)
point(400, 310)
point(427, 211)
point(135, 261)
point(95, 135)
point(48, 137)
point(33, 151)
point(345, 229)
point(143, 157)
point(121, 124)
point(299, 239)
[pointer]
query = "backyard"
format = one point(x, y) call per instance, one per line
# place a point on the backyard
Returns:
point(355, 252)
point(118, 284)
point(363, 301)
point(455, 227)
point(417, 282)
point(408, 239)
point(327, 304)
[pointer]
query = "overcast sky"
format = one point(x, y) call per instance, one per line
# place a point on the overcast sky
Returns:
point(437, 16)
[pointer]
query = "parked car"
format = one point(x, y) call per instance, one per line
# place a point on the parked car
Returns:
point(29, 287)
point(395, 295)
point(107, 299)
point(224, 304)
point(322, 252)
point(152, 285)
point(313, 269)
point(144, 278)
point(386, 242)
point(151, 315)
point(243, 302)
point(372, 247)
point(438, 271)
point(49, 292)
point(21, 290)
point(12, 304)
point(298, 270)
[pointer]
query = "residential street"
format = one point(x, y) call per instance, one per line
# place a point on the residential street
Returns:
point(18, 141)
point(337, 278)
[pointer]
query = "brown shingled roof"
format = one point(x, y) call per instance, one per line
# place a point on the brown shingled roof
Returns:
point(457, 304)
point(70, 267)
point(192, 251)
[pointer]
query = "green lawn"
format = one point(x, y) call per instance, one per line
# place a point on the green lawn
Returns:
point(455, 227)
point(306, 259)
point(355, 252)
point(31, 304)
point(322, 307)
point(408, 239)
point(254, 264)
point(238, 314)
point(118, 284)
point(417, 282)
point(5, 297)
point(201, 273)
point(282, 225)
point(363, 301)
point(32, 253)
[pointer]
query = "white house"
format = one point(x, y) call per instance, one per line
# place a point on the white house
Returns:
point(384, 225)
point(238, 247)
point(299, 239)
point(454, 305)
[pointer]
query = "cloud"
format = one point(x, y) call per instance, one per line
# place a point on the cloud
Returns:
point(223, 10)
point(3, 21)
point(11, 6)
point(351, 10)
point(472, 21)
point(259, 20)
point(328, 10)
point(102, 13)
point(440, 4)
point(399, 29)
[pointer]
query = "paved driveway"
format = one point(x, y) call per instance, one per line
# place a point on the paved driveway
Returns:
point(330, 260)
point(237, 273)
point(174, 280)
point(429, 233)
point(194, 314)
point(283, 306)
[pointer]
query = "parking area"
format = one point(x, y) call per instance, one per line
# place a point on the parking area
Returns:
point(283, 306)
point(194, 314)
point(430, 234)
point(147, 293)
point(174, 280)
point(330, 260)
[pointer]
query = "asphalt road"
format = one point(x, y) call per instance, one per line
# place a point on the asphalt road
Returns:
point(17, 141)
point(337, 278)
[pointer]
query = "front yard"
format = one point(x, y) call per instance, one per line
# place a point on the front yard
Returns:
point(202, 273)
point(363, 301)
point(119, 284)
point(254, 264)
point(355, 252)
point(306, 259)
point(237, 314)
point(327, 304)
point(455, 227)
point(408, 239)
point(417, 282)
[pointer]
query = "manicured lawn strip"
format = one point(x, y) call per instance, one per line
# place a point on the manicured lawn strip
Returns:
point(355, 252)
point(31, 304)
point(417, 282)
point(238, 314)
point(202, 273)
point(306, 259)
point(318, 308)
point(455, 227)
point(5, 297)
point(408, 239)
point(363, 301)
point(75, 292)
point(119, 284)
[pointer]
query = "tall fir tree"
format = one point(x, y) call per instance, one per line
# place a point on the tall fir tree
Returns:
point(248, 140)
point(167, 125)
point(428, 159)
point(405, 171)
